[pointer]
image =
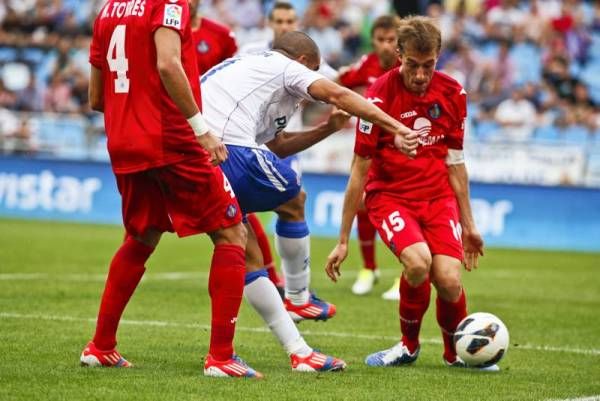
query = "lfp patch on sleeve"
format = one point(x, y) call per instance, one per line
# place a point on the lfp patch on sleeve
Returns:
point(365, 126)
point(173, 15)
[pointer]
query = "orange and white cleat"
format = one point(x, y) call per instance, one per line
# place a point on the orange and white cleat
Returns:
point(93, 357)
point(317, 362)
point(314, 309)
point(233, 367)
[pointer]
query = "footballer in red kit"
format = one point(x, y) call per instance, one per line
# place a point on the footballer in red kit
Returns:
point(144, 78)
point(214, 42)
point(419, 204)
point(360, 77)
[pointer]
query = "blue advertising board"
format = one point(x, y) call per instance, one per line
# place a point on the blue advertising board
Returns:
point(515, 216)
point(58, 190)
point(507, 215)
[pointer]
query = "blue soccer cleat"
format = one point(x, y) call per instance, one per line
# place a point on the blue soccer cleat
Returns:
point(396, 356)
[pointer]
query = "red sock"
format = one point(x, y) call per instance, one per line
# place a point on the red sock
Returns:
point(366, 239)
point(413, 305)
point(265, 247)
point(126, 271)
point(225, 286)
point(449, 315)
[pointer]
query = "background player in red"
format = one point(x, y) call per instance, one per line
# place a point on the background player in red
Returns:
point(420, 205)
point(359, 77)
point(144, 78)
point(214, 43)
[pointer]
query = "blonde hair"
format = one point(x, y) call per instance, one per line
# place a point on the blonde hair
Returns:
point(419, 34)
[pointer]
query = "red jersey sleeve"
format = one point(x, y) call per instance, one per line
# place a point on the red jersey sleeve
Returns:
point(367, 133)
point(354, 76)
point(96, 58)
point(230, 46)
point(172, 14)
point(456, 135)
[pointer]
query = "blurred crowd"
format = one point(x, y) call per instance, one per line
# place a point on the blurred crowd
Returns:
point(531, 68)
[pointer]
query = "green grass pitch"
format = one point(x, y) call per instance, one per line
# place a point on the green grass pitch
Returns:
point(51, 277)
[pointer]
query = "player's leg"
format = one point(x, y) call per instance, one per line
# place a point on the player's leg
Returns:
point(442, 232)
point(451, 301)
point(264, 298)
point(264, 183)
point(225, 287)
point(145, 219)
point(400, 230)
point(292, 241)
point(369, 274)
point(200, 200)
point(265, 249)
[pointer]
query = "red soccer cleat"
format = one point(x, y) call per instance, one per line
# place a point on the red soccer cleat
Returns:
point(317, 362)
point(93, 357)
point(314, 309)
point(233, 367)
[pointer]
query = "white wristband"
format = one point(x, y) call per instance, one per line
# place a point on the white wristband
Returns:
point(198, 124)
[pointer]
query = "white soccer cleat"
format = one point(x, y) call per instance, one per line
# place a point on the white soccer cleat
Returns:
point(393, 294)
point(365, 281)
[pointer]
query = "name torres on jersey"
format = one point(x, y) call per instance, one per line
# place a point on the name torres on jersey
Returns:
point(122, 9)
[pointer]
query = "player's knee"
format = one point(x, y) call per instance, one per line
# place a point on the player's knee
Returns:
point(293, 210)
point(448, 287)
point(416, 273)
point(417, 263)
point(234, 235)
point(150, 238)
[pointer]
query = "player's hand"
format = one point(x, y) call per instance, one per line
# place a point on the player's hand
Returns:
point(216, 149)
point(337, 119)
point(406, 140)
point(473, 248)
point(334, 261)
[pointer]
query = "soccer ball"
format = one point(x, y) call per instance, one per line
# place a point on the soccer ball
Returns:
point(481, 339)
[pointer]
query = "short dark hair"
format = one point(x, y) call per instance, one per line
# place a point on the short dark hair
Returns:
point(280, 5)
point(419, 34)
point(385, 22)
point(296, 44)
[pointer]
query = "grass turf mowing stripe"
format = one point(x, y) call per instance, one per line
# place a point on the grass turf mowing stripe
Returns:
point(160, 323)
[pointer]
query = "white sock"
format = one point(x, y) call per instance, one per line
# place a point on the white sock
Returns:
point(264, 298)
point(292, 242)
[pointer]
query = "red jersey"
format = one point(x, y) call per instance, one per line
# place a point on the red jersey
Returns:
point(364, 73)
point(439, 116)
point(214, 43)
point(145, 129)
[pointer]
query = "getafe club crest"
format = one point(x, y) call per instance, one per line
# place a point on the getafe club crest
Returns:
point(435, 111)
point(203, 47)
point(231, 211)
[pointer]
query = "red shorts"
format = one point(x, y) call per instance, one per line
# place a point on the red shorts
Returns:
point(189, 197)
point(402, 222)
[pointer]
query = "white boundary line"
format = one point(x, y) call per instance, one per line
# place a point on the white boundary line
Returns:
point(160, 323)
point(92, 277)
point(590, 398)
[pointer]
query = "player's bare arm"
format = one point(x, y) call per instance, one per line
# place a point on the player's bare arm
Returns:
point(172, 75)
point(95, 90)
point(352, 198)
point(472, 240)
point(290, 143)
point(345, 99)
